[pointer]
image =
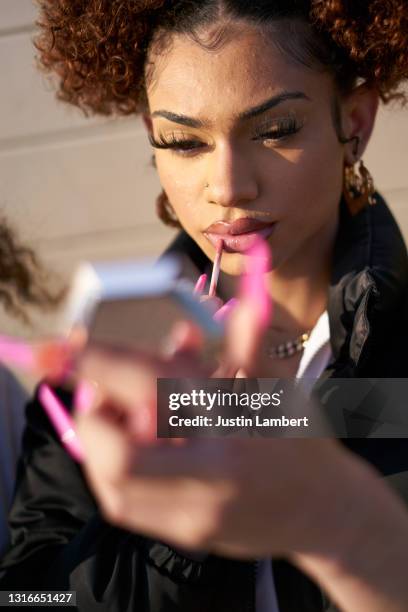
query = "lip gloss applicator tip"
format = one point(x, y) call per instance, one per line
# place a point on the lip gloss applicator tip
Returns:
point(216, 268)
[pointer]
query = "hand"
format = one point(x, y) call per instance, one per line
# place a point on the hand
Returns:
point(222, 498)
point(123, 417)
point(300, 499)
point(244, 498)
point(239, 497)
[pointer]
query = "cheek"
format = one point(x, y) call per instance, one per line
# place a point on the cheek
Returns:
point(310, 185)
point(182, 188)
point(185, 192)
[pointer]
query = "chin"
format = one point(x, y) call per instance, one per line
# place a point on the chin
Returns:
point(233, 263)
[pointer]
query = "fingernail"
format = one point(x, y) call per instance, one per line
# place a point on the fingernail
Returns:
point(56, 359)
point(253, 284)
point(85, 394)
point(200, 284)
point(222, 313)
point(61, 420)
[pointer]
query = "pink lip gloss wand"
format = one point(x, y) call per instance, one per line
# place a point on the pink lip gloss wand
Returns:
point(62, 422)
point(216, 268)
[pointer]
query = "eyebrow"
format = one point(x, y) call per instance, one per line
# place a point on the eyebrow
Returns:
point(244, 116)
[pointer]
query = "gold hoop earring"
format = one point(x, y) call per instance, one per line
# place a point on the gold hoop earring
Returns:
point(358, 188)
point(165, 211)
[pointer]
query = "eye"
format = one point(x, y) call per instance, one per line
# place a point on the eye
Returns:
point(282, 129)
point(181, 145)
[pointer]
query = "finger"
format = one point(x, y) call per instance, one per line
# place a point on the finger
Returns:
point(130, 377)
point(143, 423)
point(224, 369)
point(247, 322)
point(54, 360)
point(78, 337)
point(122, 377)
point(200, 284)
point(224, 311)
point(184, 337)
point(182, 352)
point(213, 302)
point(85, 395)
point(103, 429)
point(170, 510)
point(200, 459)
point(241, 374)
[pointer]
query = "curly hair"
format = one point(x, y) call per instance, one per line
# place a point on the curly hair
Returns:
point(100, 49)
point(23, 279)
point(374, 35)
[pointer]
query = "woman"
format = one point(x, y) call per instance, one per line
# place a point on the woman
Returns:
point(258, 113)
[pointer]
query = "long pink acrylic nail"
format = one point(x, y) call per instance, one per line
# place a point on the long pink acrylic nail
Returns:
point(62, 422)
point(200, 284)
point(223, 313)
point(17, 353)
point(253, 285)
point(48, 358)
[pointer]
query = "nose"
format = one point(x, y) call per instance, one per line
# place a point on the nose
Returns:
point(231, 178)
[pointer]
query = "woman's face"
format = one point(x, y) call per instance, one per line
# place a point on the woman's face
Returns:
point(247, 146)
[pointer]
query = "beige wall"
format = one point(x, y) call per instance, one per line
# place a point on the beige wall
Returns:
point(81, 188)
point(76, 188)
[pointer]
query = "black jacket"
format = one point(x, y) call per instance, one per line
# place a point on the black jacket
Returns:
point(59, 540)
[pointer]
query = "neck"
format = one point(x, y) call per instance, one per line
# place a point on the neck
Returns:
point(299, 302)
point(299, 288)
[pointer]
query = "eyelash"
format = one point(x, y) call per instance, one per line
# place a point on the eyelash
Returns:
point(174, 143)
point(286, 127)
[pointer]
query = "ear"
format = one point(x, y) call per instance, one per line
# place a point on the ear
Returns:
point(358, 117)
point(147, 122)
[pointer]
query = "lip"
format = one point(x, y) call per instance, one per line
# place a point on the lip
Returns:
point(240, 235)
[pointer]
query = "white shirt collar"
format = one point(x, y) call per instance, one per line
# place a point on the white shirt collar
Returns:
point(317, 351)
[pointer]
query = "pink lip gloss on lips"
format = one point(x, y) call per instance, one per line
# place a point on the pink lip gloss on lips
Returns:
point(239, 235)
